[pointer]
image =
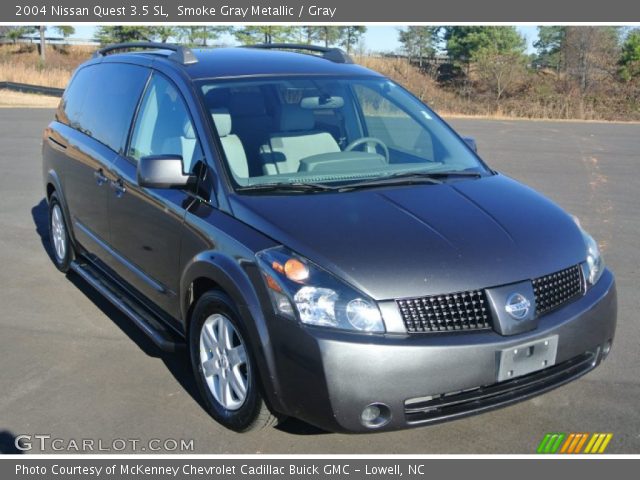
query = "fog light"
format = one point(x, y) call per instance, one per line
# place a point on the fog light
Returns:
point(375, 415)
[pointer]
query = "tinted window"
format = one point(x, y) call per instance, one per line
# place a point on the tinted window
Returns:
point(102, 99)
point(73, 98)
point(163, 126)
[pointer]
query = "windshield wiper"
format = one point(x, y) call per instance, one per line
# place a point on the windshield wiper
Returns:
point(461, 173)
point(408, 178)
point(287, 187)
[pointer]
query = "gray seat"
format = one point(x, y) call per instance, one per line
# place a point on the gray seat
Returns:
point(184, 145)
point(233, 149)
point(295, 140)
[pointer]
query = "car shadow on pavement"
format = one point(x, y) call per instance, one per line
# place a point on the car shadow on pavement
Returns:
point(8, 443)
point(40, 215)
point(177, 363)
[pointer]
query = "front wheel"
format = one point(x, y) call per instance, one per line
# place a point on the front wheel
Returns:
point(223, 366)
point(59, 235)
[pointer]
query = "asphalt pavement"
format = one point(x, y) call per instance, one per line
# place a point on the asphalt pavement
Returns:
point(72, 367)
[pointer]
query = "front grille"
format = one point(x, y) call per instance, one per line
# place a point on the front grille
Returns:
point(554, 290)
point(446, 313)
point(459, 404)
point(470, 310)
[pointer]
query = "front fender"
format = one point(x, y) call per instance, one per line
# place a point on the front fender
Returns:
point(232, 277)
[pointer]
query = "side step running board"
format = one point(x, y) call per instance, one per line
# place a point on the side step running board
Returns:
point(148, 322)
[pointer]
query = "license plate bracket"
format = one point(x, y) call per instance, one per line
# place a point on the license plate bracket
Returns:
point(527, 358)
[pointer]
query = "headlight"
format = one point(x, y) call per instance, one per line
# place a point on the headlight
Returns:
point(595, 262)
point(300, 289)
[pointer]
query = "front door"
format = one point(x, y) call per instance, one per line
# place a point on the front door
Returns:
point(146, 224)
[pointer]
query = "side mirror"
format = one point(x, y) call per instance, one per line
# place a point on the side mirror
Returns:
point(471, 142)
point(163, 171)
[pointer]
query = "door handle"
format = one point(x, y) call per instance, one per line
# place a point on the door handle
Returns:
point(118, 187)
point(100, 177)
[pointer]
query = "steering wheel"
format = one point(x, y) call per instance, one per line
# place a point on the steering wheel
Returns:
point(369, 140)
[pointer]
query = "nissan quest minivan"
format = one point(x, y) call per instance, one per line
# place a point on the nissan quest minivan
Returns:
point(319, 240)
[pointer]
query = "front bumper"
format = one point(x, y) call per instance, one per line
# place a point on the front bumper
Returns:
point(328, 377)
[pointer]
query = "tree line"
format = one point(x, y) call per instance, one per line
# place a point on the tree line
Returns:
point(347, 37)
point(588, 57)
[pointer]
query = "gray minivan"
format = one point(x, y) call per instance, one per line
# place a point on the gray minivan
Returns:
point(323, 244)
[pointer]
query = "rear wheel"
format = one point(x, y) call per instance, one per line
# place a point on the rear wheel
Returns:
point(224, 367)
point(59, 235)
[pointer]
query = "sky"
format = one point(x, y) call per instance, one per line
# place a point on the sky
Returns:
point(377, 38)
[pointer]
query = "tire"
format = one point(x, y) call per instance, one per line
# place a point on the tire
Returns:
point(222, 363)
point(62, 250)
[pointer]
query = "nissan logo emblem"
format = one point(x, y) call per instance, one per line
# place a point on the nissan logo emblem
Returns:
point(517, 306)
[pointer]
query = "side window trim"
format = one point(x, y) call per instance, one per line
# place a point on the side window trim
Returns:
point(125, 152)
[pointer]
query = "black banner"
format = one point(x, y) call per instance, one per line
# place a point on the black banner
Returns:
point(323, 11)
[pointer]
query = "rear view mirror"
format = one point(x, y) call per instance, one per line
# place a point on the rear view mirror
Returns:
point(322, 102)
point(163, 171)
point(471, 142)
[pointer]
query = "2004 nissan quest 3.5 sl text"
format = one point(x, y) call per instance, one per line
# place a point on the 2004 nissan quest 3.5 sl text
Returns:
point(324, 245)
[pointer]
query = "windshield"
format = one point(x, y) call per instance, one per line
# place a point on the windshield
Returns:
point(330, 132)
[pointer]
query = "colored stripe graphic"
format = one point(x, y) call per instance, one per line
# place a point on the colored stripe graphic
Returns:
point(551, 443)
point(581, 443)
point(569, 443)
point(573, 443)
point(598, 443)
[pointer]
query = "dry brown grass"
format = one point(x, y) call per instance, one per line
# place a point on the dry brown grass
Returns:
point(47, 77)
point(21, 63)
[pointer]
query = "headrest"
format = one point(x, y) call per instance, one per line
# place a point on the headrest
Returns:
point(294, 118)
point(245, 104)
point(187, 130)
point(222, 121)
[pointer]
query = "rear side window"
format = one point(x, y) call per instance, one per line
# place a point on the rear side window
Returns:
point(101, 101)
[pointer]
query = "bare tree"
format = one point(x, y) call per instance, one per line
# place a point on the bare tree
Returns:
point(590, 54)
point(499, 71)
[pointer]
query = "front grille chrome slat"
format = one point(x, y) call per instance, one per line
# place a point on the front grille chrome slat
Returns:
point(555, 290)
point(465, 311)
point(446, 313)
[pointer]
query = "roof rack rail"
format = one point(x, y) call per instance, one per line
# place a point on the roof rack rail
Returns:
point(181, 54)
point(336, 55)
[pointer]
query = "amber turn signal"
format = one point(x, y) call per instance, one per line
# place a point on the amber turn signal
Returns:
point(272, 284)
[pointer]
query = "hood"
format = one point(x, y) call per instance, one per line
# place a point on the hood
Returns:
point(409, 241)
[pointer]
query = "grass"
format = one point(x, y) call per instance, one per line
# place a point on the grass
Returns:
point(21, 64)
point(50, 77)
